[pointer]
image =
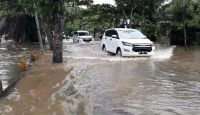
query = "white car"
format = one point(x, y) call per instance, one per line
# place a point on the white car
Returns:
point(82, 36)
point(127, 42)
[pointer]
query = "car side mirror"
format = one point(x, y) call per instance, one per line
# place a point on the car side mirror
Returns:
point(114, 36)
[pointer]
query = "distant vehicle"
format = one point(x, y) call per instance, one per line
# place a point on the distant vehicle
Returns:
point(127, 42)
point(52, 34)
point(82, 36)
point(63, 34)
point(67, 37)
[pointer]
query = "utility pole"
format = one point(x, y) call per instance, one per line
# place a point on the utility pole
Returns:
point(38, 31)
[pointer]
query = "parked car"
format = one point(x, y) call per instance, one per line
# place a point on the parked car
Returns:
point(82, 36)
point(127, 42)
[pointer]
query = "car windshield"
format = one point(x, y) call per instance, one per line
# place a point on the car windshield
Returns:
point(83, 33)
point(131, 34)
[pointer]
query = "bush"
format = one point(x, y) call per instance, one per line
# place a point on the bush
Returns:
point(163, 40)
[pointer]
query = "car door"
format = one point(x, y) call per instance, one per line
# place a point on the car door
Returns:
point(113, 41)
point(107, 40)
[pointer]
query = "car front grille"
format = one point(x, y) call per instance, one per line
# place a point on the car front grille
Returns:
point(142, 47)
point(87, 39)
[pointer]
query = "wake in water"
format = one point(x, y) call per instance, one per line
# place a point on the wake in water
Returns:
point(163, 52)
point(92, 51)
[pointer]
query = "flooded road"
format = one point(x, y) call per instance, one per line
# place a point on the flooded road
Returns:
point(99, 83)
point(10, 54)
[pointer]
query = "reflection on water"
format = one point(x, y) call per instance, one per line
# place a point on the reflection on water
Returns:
point(99, 83)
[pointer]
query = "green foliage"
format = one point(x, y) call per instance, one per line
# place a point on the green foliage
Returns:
point(148, 28)
point(10, 7)
point(189, 9)
point(154, 18)
point(163, 40)
point(44, 7)
point(70, 27)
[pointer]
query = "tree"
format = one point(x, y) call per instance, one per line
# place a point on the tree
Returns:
point(184, 16)
point(15, 24)
point(132, 4)
point(51, 10)
point(46, 28)
point(58, 18)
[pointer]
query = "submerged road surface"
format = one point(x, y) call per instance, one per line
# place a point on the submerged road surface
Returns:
point(99, 83)
point(10, 54)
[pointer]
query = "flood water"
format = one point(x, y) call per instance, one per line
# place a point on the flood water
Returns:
point(10, 55)
point(100, 83)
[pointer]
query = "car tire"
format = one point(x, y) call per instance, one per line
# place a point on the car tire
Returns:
point(119, 52)
point(104, 48)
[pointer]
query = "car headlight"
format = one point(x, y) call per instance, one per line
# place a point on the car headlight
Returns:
point(152, 44)
point(127, 44)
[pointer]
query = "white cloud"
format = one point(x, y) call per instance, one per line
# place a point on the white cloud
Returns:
point(104, 1)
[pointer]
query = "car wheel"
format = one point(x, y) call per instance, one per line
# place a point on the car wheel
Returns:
point(119, 52)
point(104, 48)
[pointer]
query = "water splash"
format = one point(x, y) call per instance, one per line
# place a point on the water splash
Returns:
point(92, 51)
point(165, 52)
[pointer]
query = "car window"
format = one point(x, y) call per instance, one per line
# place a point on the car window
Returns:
point(83, 34)
point(114, 33)
point(131, 34)
point(108, 33)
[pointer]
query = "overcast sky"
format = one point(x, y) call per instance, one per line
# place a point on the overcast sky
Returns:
point(104, 1)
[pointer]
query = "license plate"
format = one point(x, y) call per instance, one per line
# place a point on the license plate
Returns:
point(142, 52)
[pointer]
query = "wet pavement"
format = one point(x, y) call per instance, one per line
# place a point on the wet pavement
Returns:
point(92, 82)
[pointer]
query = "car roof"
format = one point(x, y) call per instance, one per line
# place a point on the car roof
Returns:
point(81, 31)
point(121, 29)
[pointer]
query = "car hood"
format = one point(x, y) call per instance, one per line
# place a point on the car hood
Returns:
point(137, 41)
point(85, 36)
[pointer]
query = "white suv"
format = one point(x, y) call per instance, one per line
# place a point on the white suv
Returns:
point(82, 36)
point(127, 42)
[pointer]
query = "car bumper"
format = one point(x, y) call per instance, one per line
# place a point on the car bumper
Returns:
point(86, 40)
point(129, 54)
point(128, 51)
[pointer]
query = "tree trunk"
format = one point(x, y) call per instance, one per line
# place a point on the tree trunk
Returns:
point(2, 26)
point(131, 18)
point(94, 32)
point(125, 17)
point(39, 34)
point(184, 29)
point(185, 38)
point(48, 34)
point(59, 18)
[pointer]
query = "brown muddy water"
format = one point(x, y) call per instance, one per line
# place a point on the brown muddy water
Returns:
point(10, 54)
point(92, 82)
